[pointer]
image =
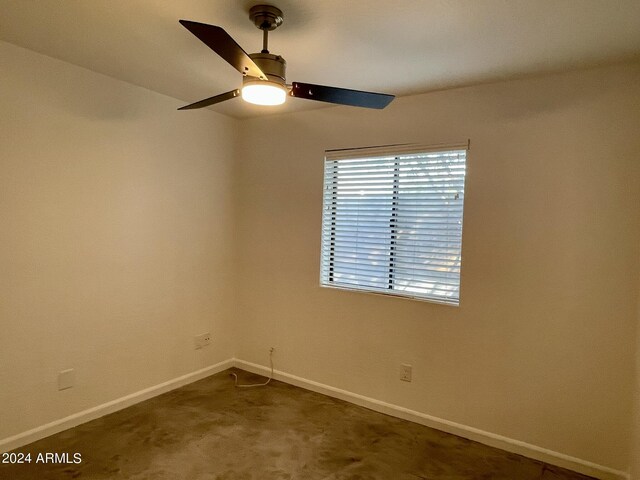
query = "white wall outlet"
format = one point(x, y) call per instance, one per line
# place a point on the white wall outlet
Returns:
point(202, 340)
point(66, 379)
point(405, 372)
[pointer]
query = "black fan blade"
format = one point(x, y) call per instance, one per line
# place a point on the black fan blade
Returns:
point(212, 100)
point(341, 96)
point(221, 42)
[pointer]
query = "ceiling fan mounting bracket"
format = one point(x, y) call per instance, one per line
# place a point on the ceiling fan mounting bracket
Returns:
point(266, 17)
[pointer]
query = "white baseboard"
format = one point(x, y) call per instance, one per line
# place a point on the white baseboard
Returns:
point(84, 416)
point(515, 446)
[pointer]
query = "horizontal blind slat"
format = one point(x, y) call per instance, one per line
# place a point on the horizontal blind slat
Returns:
point(439, 291)
point(355, 269)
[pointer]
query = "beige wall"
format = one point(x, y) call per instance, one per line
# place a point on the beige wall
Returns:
point(635, 449)
point(116, 218)
point(541, 348)
point(122, 219)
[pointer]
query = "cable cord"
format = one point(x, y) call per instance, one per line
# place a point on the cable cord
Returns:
point(257, 384)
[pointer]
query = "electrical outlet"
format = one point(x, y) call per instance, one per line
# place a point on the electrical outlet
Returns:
point(405, 372)
point(201, 340)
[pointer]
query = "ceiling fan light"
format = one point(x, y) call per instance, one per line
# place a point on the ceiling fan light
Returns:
point(264, 93)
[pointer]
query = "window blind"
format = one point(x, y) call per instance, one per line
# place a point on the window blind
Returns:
point(392, 221)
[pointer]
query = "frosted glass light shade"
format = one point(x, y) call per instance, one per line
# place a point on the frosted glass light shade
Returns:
point(264, 93)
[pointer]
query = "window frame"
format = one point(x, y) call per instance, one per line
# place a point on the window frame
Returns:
point(396, 150)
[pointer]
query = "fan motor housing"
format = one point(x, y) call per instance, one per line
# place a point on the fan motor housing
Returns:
point(274, 66)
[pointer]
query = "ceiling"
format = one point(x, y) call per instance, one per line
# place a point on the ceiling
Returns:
point(400, 47)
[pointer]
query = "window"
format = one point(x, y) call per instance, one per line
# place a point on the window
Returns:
point(392, 221)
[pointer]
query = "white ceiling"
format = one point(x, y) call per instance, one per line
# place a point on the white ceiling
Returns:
point(400, 47)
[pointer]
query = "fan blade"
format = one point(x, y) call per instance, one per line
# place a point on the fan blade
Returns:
point(221, 42)
point(341, 96)
point(212, 100)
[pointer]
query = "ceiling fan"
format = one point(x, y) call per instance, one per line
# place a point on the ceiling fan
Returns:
point(264, 78)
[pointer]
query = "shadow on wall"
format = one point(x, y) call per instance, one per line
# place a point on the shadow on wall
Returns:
point(75, 91)
point(93, 103)
point(559, 96)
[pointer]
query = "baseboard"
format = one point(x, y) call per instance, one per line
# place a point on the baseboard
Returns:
point(511, 445)
point(56, 426)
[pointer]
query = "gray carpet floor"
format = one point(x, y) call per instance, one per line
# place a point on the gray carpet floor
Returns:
point(209, 430)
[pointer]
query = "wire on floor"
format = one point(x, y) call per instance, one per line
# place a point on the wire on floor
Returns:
point(257, 384)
